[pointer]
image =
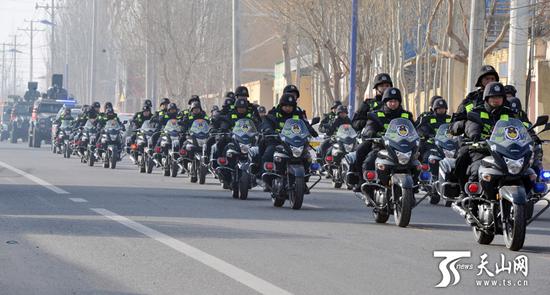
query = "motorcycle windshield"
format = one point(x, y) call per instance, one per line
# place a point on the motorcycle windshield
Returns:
point(200, 128)
point(295, 132)
point(346, 134)
point(244, 130)
point(172, 126)
point(510, 138)
point(401, 134)
point(89, 126)
point(112, 126)
point(148, 127)
point(444, 139)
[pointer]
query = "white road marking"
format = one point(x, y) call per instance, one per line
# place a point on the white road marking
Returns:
point(35, 179)
point(217, 264)
point(78, 200)
point(311, 206)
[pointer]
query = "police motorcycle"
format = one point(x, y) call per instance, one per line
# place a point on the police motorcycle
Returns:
point(168, 153)
point(64, 138)
point(287, 169)
point(85, 143)
point(108, 148)
point(345, 142)
point(235, 167)
point(507, 183)
point(142, 150)
point(192, 151)
point(390, 187)
point(441, 164)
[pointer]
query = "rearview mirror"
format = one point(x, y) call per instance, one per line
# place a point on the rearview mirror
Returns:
point(546, 128)
point(541, 120)
point(315, 121)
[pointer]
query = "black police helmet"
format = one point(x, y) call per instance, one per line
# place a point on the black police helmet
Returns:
point(336, 104)
point(215, 108)
point(165, 101)
point(108, 105)
point(146, 108)
point(262, 110)
point(391, 93)
point(510, 89)
point(439, 103)
point(194, 105)
point(292, 89)
point(148, 103)
point(486, 70)
point(92, 114)
point(382, 78)
point(172, 106)
point(287, 99)
point(230, 94)
point(241, 103)
point(241, 91)
point(109, 111)
point(341, 109)
point(493, 89)
point(515, 104)
point(193, 98)
point(433, 99)
point(228, 102)
point(96, 104)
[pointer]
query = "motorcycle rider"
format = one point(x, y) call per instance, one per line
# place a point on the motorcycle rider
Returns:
point(510, 91)
point(262, 112)
point(286, 109)
point(227, 105)
point(137, 122)
point(489, 113)
point(486, 75)
point(324, 127)
point(292, 89)
point(171, 113)
point(162, 110)
point(110, 115)
point(242, 92)
point(195, 113)
point(194, 98)
point(429, 123)
point(381, 82)
point(66, 116)
point(514, 104)
point(378, 121)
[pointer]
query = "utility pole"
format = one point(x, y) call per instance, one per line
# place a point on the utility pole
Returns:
point(92, 60)
point(353, 58)
point(236, 45)
point(475, 50)
point(31, 31)
point(50, 9)
point(4, 78)
point(517, 56)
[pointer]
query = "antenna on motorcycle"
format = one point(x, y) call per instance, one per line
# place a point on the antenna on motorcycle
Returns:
point(541, 120)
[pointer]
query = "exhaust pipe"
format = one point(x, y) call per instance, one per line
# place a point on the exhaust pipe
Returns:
point(458, 210)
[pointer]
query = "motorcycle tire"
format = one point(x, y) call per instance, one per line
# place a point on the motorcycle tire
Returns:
point(403, 210)
point(167, 170)
point(35, 140)
point(203, 170)
point(244, 183)
point(174, 169)
point(277, 202)
point(296, 197)
point(482, 237)
point(434, 199)
point(235, 189)
point(142, 165)
point(67, 152)
point(114, 158)
point(514, 230)
point(336, 184)
point(150, 164)
point(90, 160)
point(193, 171)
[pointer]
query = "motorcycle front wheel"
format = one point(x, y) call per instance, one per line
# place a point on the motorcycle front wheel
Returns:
point(296, 197)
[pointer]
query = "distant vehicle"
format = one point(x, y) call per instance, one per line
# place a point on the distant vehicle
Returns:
point(19, 121)
point(4, 133)
point(41, 121)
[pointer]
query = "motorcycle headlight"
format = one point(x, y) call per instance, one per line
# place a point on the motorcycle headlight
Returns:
point(449, 153)
point(403, 158)
point(514, 166)
point(244, 148)
point(348, 147)
point(297, 151)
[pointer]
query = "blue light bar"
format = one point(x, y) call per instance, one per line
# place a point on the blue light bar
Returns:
point(539, 187)
point(545, 175)
point(425, 176)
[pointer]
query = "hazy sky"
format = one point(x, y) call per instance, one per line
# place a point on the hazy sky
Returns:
point(13, 14)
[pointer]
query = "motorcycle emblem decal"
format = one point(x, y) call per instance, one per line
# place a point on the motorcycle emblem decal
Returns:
point(402, 130)
point(296, 129)
point(245, 127)
point(511, 133)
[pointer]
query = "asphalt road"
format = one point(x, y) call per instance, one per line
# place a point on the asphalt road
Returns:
point(66, 228)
